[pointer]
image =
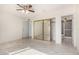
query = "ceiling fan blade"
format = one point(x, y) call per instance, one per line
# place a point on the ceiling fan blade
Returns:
point(21, 6)
point(31, 10)
point(19, 9)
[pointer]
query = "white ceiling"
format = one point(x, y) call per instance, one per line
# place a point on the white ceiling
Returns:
point(46, 10)
point(41, 10)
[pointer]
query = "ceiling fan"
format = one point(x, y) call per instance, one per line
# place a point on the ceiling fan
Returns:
point(25, 8)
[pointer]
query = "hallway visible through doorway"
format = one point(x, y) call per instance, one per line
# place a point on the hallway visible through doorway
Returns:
point(67, 30)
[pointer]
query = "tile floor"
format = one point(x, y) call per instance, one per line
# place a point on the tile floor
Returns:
point(47, 47)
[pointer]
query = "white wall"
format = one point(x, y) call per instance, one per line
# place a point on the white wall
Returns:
point(25, 33)
point(10, 23)
point(30, 28)
point(27, 28)
point(76, 27)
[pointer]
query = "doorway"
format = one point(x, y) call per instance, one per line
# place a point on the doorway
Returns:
point(67, 30)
